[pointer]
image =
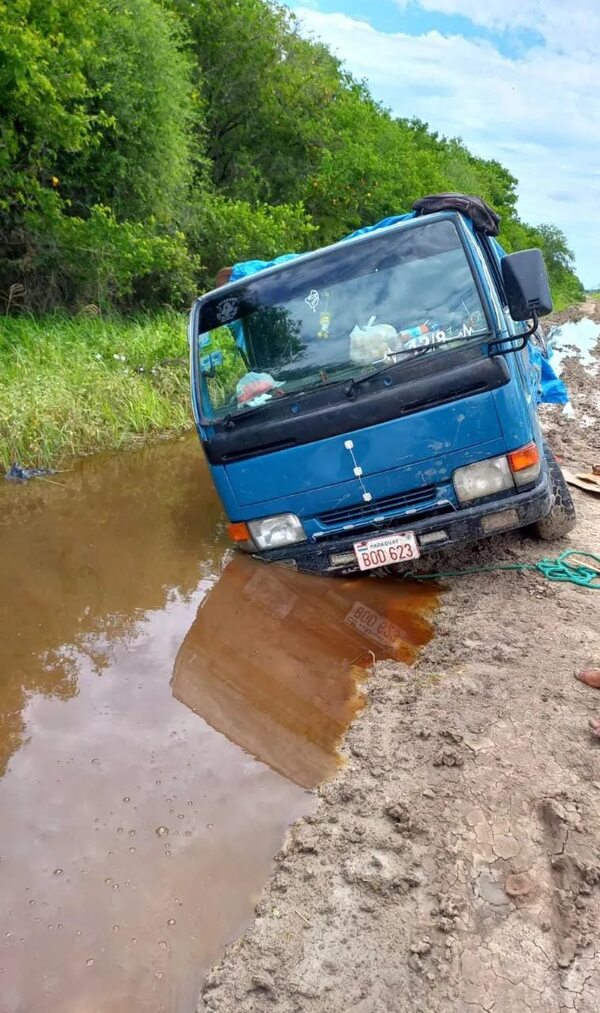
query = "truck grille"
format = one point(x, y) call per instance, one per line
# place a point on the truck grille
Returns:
point(362, 511)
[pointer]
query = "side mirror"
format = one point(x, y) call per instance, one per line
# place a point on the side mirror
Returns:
point(526, 285)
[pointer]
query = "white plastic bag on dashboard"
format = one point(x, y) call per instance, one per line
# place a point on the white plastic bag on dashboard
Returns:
point(371, 343)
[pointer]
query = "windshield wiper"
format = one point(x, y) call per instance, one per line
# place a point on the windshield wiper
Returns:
point(230, 421)
point(417, 353)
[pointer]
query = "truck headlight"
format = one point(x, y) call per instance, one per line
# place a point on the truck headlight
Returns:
point(483, 479)
point(275, 532)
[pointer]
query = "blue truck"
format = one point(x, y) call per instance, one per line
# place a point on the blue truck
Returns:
point(367, 403)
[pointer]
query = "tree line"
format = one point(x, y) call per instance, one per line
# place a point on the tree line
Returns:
point(145, 144)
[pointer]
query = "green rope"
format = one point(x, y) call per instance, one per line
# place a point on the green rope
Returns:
point(553, 569)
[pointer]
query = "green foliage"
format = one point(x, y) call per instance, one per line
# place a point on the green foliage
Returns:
point(566, 286)
point(268, 96)
point(226, 231)
point(43, 93)
point(96, 110)
point(145, 145)
point(142, 107)
point(101, 261)
point(73, 385)
point(375, 166)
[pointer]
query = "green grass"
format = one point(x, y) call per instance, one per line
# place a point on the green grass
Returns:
point(564, 300)
point(72, 386)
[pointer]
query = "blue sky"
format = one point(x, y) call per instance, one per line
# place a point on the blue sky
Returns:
point(518, 80)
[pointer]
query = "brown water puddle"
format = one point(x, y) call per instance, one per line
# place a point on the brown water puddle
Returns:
point(276, 660)
point(163, 708)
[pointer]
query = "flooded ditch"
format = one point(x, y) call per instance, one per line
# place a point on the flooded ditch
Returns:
point(576, 337)
point(165, 710)
point(572, 429)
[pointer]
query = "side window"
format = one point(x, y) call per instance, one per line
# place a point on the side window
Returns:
point(493, 266)
point(222, 360)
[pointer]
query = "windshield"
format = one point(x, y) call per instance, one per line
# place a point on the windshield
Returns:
point(340, 315)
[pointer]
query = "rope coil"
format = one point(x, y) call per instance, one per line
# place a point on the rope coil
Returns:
point(558, 570)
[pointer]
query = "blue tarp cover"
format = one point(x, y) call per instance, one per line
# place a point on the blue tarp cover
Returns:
point(550, 388)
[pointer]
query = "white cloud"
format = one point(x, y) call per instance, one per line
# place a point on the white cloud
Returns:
point(572, 26)
point(538, 114)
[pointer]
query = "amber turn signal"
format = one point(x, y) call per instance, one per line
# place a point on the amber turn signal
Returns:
point(238, 532)
point(524, 457)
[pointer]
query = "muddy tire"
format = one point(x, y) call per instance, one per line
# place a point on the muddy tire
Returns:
point(562, 517)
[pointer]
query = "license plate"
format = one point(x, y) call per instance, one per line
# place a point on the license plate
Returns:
point(374, 626)
point(387, 549)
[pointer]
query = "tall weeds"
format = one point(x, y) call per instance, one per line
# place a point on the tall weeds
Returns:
point(71, 386)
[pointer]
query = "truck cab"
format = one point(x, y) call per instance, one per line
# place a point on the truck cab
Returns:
point(367, 403)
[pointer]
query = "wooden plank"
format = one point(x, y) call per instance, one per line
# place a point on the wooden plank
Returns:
point(583, 480)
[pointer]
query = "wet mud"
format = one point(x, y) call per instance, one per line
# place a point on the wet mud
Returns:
point(574, 432)
point(166, 710)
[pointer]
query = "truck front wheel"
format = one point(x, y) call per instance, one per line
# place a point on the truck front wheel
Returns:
point(561, 518)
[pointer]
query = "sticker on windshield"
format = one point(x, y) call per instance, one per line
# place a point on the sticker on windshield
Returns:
point(313, 299)
point(227, 310)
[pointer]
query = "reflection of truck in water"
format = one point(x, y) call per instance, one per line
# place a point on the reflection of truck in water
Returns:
point(367, 403)
point(274, 660)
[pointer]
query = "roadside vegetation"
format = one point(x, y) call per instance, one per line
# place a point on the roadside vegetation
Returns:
point(72, 386)
point(144, 146)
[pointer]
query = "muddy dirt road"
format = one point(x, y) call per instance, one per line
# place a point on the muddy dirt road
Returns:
point(454, 864)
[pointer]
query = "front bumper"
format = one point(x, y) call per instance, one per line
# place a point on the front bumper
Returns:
point(336, 554)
